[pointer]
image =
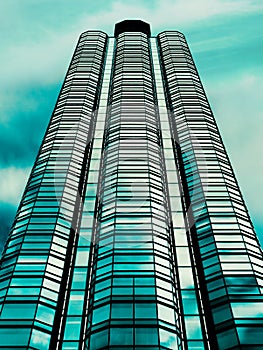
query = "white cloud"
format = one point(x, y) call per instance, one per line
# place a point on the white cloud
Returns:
point(45, 61)
point(12, 184)
point(238, 109)
point(172, 13)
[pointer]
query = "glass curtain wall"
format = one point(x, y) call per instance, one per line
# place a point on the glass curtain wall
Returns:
point(133, 302)
point(226, 249)
point(37, 260)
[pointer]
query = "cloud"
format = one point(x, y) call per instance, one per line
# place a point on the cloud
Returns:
point(238, 108)
point(12, 183)
point(172, 13)
point(45, 53)
point(7, 214)
point(24, 114)
point(44, 62)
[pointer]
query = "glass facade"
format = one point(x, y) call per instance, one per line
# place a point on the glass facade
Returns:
point(132, 232)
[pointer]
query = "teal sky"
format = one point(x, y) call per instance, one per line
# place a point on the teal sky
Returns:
point(37, 39)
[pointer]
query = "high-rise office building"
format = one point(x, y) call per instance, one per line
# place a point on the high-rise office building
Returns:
point(132, 232)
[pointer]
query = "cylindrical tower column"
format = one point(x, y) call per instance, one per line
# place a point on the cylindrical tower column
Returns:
point(37, 261)
point(226, 249)
point(133, 302)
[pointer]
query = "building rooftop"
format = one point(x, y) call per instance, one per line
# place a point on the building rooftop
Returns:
point(132, 25)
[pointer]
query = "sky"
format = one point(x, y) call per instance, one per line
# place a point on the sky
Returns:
point(37, 40)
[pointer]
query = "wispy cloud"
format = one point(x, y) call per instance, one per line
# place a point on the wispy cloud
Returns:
point(44, 62)
point(24, 114)
point(175, 13)
point(45, 56)
point(238, 108)
point(7, 214)
point(172, 13)
point(12, 183)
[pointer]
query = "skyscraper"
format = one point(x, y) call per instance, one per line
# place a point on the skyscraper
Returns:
point(132, 232)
